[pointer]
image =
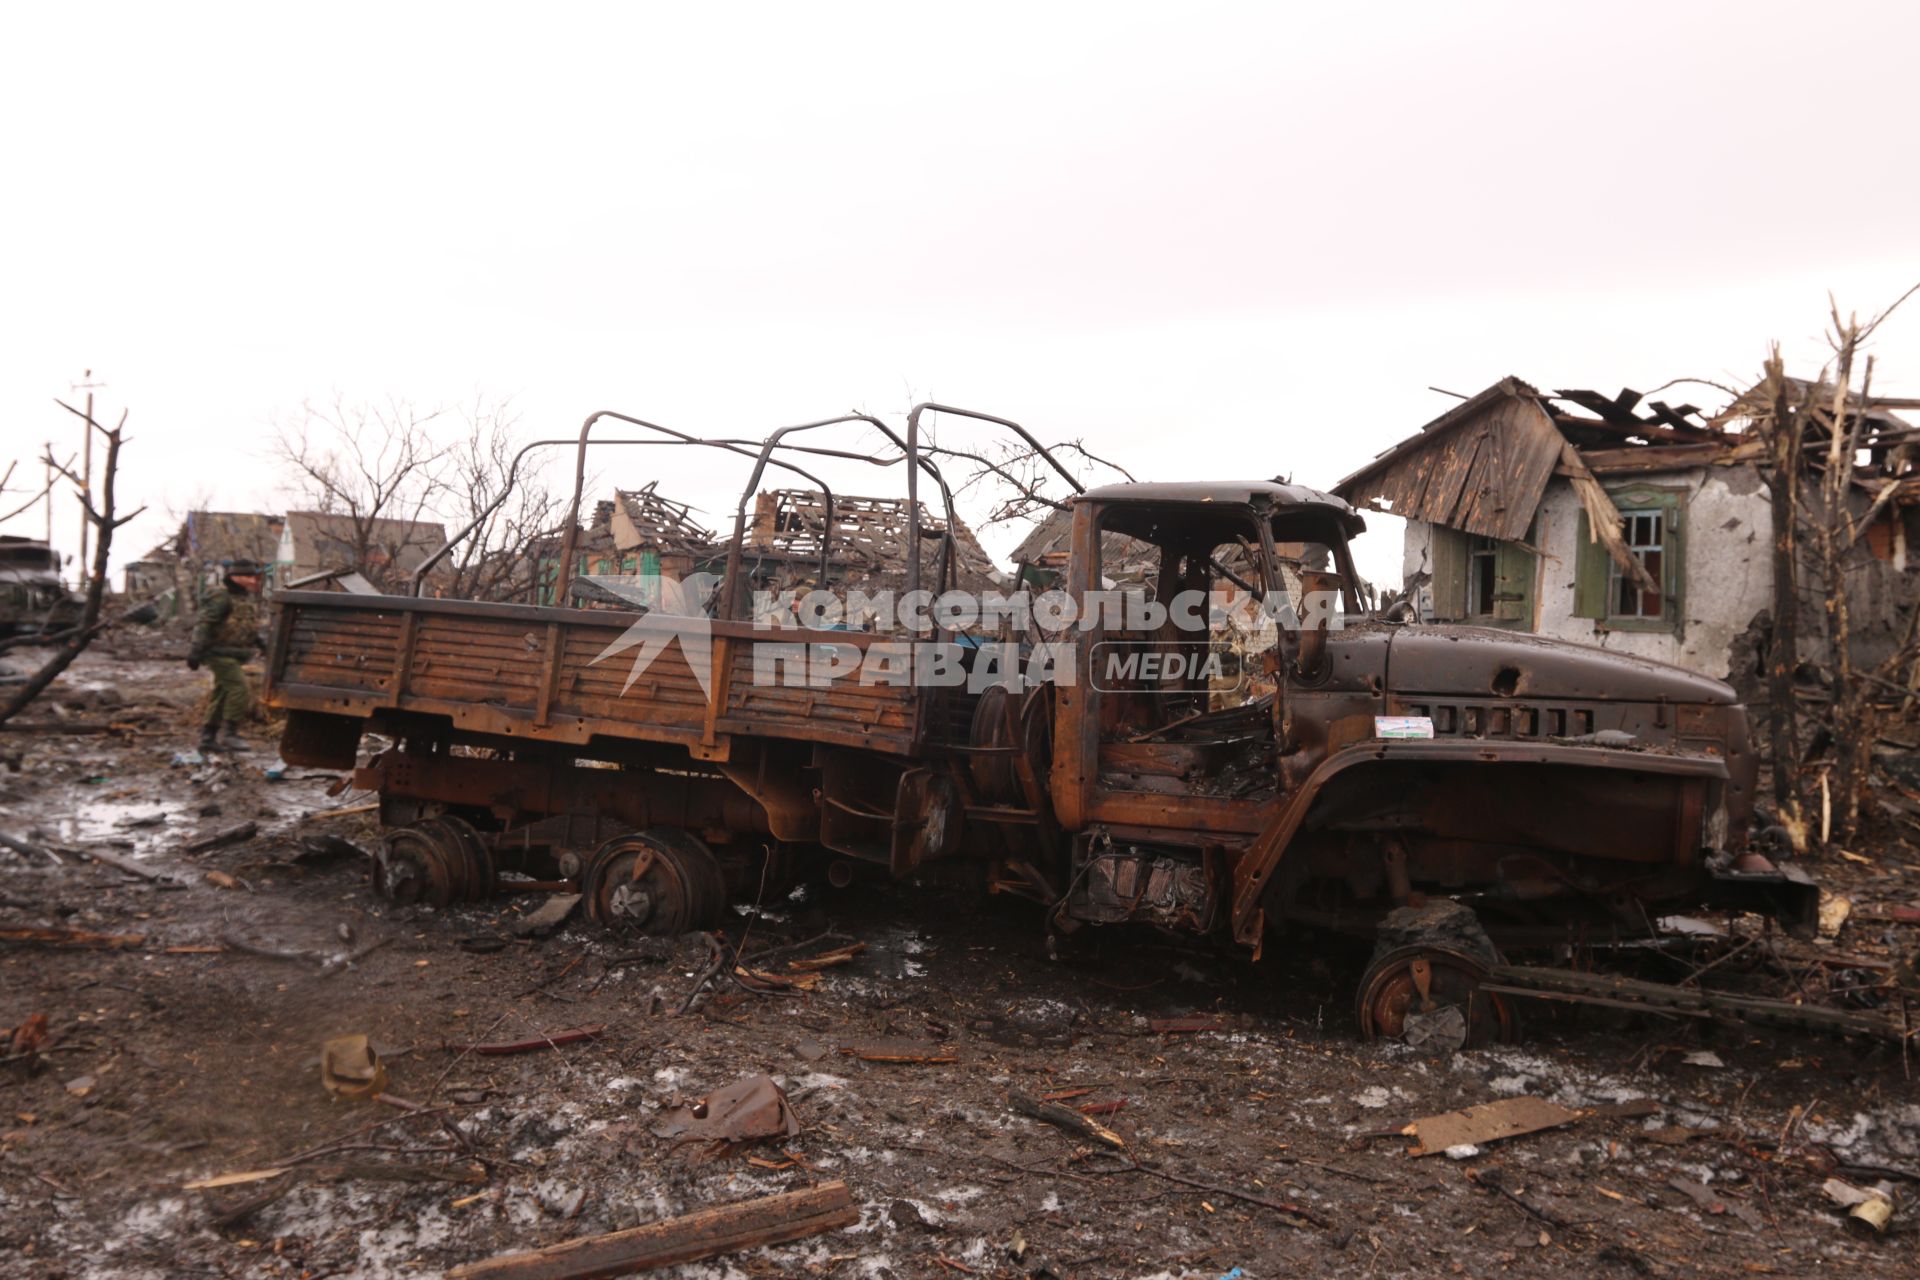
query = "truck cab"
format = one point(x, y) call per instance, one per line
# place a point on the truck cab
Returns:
point(1346, 766)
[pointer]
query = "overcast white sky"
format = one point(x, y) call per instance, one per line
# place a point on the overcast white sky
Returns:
point(1214, 240)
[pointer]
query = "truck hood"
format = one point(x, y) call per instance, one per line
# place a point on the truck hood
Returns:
point(1483, 662)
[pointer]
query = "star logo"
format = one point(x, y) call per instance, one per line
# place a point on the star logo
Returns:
point(670, 609)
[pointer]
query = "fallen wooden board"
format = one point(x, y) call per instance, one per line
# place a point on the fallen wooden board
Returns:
point(128, 865)
point(900, 1051)
point(1184, 1026)
point(1489, 1122)
point(232, 1179)
point(573, 1035)
point(346, 812)
point(226, 835)
point(1065, 1118)
point(828, 959)
point(34, 935)
point(692, 1237)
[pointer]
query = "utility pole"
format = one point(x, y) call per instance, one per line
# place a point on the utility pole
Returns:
point(86, 384)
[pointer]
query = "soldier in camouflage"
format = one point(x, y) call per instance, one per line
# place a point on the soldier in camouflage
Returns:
point(226, 635)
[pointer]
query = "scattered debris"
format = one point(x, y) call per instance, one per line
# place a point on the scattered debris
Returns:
point(1489, 1122)
point(108, 858)
point(1714, 1204)
point(1703, 1058)
point(231, 1179)
point(1065, 1118)
point(227, 835)
point(550, 915)
point(31, 935)
point(901, 1051)
point(349, 1068)
point(828, 959)
point(1184, 1026)
point(708, 1233)
point(321, 849)
point(747, 1110)
point(27, 850)
point(1869, 1209)
point(1834, 911)
point(25, 1042)
point(553, 1040)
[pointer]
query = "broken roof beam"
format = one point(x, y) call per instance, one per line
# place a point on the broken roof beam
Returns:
point(1603, 518)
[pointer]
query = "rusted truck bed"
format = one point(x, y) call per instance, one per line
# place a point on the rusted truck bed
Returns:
point(546, 674)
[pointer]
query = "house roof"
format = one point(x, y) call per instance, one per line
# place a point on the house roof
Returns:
point(219, 536)
point(661, 523)
point(1482, 466)
point(867, 534)
point(323, 539)
point(1049, 544)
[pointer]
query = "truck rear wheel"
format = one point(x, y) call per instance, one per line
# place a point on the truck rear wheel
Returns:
point(437, 861)
point(654, 884)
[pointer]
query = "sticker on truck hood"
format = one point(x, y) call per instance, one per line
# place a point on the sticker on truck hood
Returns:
point(1403, 726)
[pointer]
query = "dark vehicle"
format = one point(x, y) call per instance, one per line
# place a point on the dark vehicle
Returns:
point(1331, 776)
point(32, 597)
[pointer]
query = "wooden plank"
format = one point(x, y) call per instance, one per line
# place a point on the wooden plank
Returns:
point(692, 1237)
point(403, 654)
point(549, 676)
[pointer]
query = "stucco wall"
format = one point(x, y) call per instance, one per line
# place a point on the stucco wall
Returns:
point(1728, 578)
point(1728, 571)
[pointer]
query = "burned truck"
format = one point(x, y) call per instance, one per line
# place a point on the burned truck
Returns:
point(33, 599)
point(1336, 774)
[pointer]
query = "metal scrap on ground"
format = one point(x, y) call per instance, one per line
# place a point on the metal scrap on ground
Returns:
point(745, 1111)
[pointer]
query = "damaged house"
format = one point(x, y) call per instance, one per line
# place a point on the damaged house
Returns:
point(385, 550)
point(864, 539)
point(1587, 518)
point(179, 570)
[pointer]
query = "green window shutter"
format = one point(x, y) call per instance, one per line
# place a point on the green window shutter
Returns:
point(1449, 559)
point(1676, 562)
point(1513, 584)
point(1589, 573)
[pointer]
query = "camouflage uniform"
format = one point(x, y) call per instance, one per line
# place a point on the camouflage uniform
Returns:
point(225, 636)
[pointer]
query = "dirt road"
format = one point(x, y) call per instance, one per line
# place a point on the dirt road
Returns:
point(194, 1052)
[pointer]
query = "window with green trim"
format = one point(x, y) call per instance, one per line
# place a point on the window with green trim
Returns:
point(1652, 524)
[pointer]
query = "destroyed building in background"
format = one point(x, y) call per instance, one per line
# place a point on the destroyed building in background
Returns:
point(177, 572)
point(865, 540)
point(1648, 530)
point(387, 551)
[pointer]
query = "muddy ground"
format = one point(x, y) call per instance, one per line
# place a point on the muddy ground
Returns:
point(186, 1056)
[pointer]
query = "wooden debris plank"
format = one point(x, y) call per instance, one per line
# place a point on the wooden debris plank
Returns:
point(31, 935)
point(1065, 1118)
point(1489, 1122)
point(692, 1237)
point(901, 1051)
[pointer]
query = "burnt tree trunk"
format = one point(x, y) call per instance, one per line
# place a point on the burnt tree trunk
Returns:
point(1783, 655)
point(78, 638)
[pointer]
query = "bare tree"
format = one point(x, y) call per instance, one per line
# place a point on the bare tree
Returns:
point(1834, 470)
point(511, 516)
point(374, 467)
point(102, 519)
point(1017, 475)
